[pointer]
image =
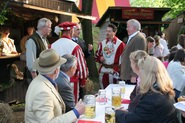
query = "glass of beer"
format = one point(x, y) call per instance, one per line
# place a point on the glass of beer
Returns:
point(109, 115)
point(116, 96)
point(90, 106)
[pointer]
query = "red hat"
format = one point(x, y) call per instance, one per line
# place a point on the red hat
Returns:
point(67, 25)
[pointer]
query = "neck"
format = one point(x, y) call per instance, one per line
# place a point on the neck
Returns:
point(68, 73)
point(51, 76)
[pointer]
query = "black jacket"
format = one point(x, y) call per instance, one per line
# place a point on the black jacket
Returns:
point(152, 108)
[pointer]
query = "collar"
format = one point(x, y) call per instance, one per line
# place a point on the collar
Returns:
point(68, 78)
point(52, 82)
point(113, 40)
point(65, 36)
point(41, 36)
point(135, 33)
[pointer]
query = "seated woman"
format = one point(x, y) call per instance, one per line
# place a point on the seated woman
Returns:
point(176, 70)
point(157, 96)
point(134, 58)
point(9, 47)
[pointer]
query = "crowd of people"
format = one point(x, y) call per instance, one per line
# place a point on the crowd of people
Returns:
point(58, 72)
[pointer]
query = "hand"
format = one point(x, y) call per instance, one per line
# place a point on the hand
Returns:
point(80, 107)
point(133, 79)
point(102, 59)
point(183, 113)
point(90, 47)
point(13, 52)
point(124, 110)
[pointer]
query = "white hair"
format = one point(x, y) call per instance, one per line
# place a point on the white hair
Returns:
point(43, 23)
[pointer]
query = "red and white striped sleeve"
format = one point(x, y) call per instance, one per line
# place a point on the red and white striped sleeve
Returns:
point(82, 69)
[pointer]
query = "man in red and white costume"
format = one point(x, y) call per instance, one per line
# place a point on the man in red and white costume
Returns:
point(108, 54)
point(65, 45)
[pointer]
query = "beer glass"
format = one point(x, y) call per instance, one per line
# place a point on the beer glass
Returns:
point(116, 96)
point(90, 106)
point(109, 115)
point(122, 86)
point(102, 96)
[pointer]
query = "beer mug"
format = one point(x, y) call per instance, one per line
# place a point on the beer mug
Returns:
point(116, 96)
point(109, 115)
point(90, 106)
point(122, 86)
point(102, 96)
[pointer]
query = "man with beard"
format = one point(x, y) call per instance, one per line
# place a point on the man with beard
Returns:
point(108, 55)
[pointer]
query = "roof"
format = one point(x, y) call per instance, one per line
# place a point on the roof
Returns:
point(115, 14)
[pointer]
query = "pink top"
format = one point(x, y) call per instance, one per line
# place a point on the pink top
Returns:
point(166, 63)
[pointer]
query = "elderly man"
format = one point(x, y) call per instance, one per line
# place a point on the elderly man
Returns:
point(136, 41)
point(67, 70)
point(43, 102)
point(37, 43)
point(108, 55)
point(65, 45)
point(81, 42)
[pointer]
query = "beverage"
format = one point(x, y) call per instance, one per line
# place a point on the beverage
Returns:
point(116, 96)
point(122, 87)
point(109, 115)
point(116, 101)
point(89, 111)
point(90, 102)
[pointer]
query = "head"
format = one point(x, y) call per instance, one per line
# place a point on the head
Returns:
point(70, 66)
point(151, 41)
point(67, 28)
point(134, 58)
point(133, 26)
point(157, 38)
point(180, 56)
point(181, 40)
point(154, 76)
point(77, 31)
point(44, 26)
point(30, 30)
point(161, 34)
point(49, 63)
point(111, 31)
point(5, 32)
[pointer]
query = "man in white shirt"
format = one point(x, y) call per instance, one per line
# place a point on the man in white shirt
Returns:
point(36, 44)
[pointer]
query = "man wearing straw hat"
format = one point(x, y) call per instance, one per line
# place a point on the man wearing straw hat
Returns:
point(43, 102)
point(65, 45)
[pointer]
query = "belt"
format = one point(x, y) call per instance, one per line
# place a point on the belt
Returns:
point(110, 66)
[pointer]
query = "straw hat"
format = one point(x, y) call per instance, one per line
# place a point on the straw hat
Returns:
point(48, 60)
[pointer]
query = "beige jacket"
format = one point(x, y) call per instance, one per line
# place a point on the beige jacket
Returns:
point(44, 104)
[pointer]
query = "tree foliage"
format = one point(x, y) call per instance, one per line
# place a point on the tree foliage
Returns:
point(177, 6)
point(3, 11)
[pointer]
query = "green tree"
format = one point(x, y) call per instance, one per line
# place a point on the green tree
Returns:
point(177, 6)
point(3, 12)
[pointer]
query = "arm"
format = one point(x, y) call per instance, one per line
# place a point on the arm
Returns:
point(99, 53)
point(81, 65)
point(43, 109)
point(31, 56)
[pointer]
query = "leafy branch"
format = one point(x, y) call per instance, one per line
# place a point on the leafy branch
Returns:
point(3, 12)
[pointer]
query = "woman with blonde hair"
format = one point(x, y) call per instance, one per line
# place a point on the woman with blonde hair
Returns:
point(157, 95)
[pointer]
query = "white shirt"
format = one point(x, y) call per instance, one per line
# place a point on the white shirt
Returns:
point(130, 36)
point(31, 52)
point(177, 74)
point(165, 45)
